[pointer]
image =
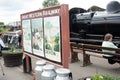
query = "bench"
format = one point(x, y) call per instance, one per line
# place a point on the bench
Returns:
point(90, 50)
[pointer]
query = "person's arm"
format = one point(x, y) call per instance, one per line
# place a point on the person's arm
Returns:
point(2, 43)
point(113, 45)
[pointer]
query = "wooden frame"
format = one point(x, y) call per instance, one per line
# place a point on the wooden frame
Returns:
point(63, 13)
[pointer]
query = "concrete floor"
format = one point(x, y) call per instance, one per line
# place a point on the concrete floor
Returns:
point(98, 65)
point(13, 73)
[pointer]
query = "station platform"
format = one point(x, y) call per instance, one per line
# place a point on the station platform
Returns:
point(99, 65)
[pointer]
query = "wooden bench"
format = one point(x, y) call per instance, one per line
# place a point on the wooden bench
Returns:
point(90, 50)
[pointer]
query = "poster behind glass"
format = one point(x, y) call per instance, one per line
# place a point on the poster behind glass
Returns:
point(37, 36)
point(52, 38)
point(27, 35)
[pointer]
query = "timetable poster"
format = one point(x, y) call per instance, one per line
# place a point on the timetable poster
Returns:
point(52, 38)
point(26, 28)
point(37, 36)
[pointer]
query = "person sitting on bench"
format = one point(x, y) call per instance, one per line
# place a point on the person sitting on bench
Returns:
point(108, 43)
point(2, 45)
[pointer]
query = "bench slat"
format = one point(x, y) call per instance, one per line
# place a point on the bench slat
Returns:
point(94, 54)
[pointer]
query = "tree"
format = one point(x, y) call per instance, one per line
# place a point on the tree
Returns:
point(4, 30)
point(1, 23)
point(95, 8)
point(48, 3)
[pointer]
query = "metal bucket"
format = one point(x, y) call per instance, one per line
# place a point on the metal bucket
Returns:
point(63, 74)
point(39, 69)
point(48, 72)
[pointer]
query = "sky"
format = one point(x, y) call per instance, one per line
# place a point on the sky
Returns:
point(10, 10)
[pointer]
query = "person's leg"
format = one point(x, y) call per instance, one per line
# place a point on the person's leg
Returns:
point(6, 48)
point(0, 54)
point(110, 61)
point(108, 56)
point(118, 59)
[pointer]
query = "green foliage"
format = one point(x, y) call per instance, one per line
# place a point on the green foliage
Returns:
point(115, 78)
point(4, 30)
point(1, 23)
point(107, 77)
point(1, 30)
point(98, 77)
point(16, 51)
point(104, 77)
point(48, 46)
point(12, 50)
point(56, 47)
point(57, 38)
point(48, 3)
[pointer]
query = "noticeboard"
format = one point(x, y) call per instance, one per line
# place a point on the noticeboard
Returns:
point(46, 34)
